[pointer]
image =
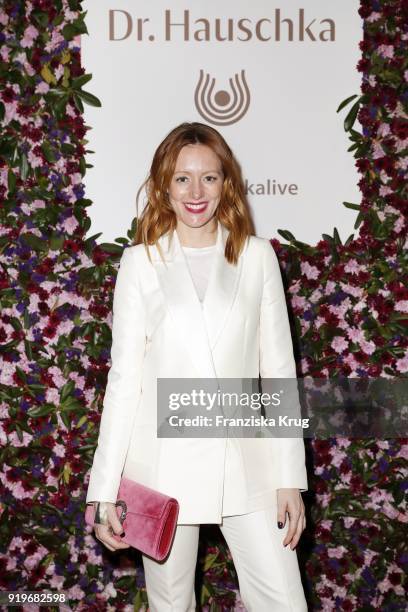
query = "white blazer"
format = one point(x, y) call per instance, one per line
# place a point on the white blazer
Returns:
point(161, 329)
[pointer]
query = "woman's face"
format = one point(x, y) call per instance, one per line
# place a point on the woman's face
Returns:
point(196, 185)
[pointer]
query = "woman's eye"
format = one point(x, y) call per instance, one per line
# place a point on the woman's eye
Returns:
point(180, 179)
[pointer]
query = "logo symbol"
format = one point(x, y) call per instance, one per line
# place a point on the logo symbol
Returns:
point(223, 107)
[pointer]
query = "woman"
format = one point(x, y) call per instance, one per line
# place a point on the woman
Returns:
point(198, 295)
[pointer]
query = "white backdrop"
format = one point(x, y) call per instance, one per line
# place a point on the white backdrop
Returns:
point(290, 133)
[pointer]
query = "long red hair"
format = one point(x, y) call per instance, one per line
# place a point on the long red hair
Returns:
point(158, 216)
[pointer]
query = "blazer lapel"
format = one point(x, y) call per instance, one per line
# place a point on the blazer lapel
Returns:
point(221, 290)
point(198, 325)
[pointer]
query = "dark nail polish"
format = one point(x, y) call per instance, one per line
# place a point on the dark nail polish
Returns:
point(122, 534)
point(280, 524)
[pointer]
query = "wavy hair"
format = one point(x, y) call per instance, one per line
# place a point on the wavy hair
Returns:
point(158, 216)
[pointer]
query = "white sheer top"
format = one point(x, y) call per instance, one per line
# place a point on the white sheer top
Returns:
point(199, 261)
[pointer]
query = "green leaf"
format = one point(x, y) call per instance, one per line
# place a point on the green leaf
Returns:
point(24, 167)
point(65, 419)
point(67, 148)
point(39, 411)
point(286, 234)
point(11, 181)
point(35, 242)
point(351, 116)
point(78, 102)
point(359, 219)
point(82, 421)
point(352, 206)
point(7, 147)
point(345, 102)
point(71, 403)
point(56, 242)
point(19, 432)
point(336, 236)
point(209, 561)
point(109, 247)
point(28, 350)
point(69, 32)
point(66, 390)
point(88, 98)
point(47, 75)
point(78, 82)
point(49, 153)
point(21, 374)
point(41, 18)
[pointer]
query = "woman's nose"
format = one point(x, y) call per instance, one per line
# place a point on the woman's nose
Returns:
point(196, 190)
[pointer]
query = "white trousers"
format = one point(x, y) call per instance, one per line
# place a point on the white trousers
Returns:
point(268, 573)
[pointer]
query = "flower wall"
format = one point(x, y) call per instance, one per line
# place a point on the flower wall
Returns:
point(348, 304)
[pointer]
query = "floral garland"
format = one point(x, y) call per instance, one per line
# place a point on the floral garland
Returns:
point(349, 303)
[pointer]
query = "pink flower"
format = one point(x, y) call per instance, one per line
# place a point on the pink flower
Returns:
point(319, 321)
point(3, 17)
point(52, 396)
point(14, 440)
point(56, 581)
point(59, 71)
point(5, 52)
point(375, 16)
point(35, 161)
point(355, 334)
point(351, 362)
point(385, 51)
point(330, 287)
point(30, 33)
point(76, 179)
point(298, 301)
point(336, 553)
point(377, 150)
point(70, 224)
point(57, 376)
point(56, 39)
point(383, 129)
point(42, 88)
point(368, 347)
point(16, 488)
point(402, 364)
point(402, 306)
point(385, 190)
point(32, 561)
point(402, 163)
point(353, 267)
point(11, 112)
point(75, 592)
point(339, 344)
point(59, 450)
point(309, 271)
point(7, 371)
point(399, 225)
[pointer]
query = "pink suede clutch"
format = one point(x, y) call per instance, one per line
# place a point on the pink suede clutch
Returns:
point(149, 518)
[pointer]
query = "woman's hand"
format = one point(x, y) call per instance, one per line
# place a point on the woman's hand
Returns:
point(290, 501)
point(105, 533)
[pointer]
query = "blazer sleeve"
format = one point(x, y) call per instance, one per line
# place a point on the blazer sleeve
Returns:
point(123, 388)
point(277, 361)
